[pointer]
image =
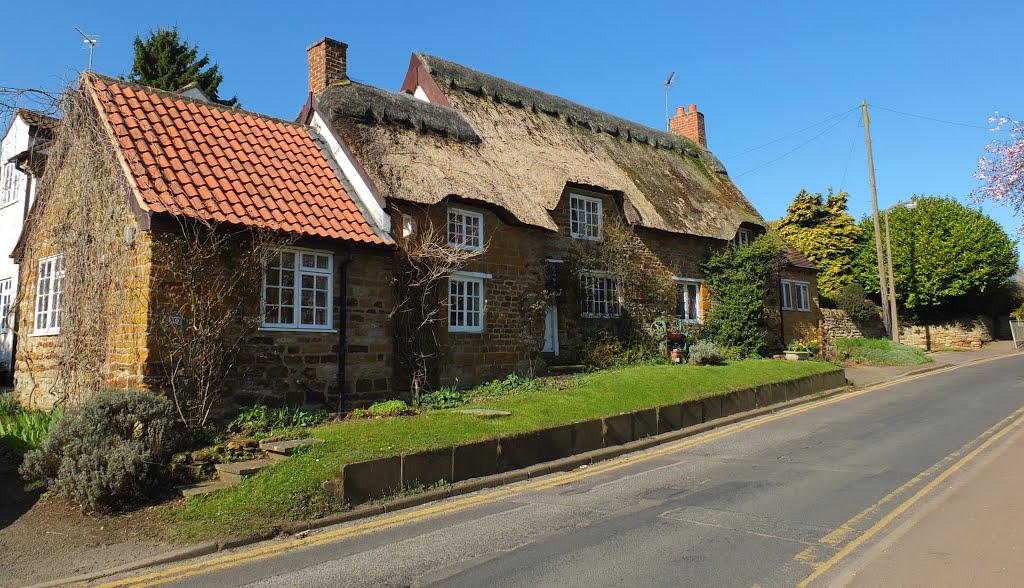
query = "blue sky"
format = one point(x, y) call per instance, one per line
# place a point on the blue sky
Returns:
point(758, 71)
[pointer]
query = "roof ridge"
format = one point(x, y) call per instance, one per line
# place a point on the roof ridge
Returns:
point(175, 95)
point(671, 137)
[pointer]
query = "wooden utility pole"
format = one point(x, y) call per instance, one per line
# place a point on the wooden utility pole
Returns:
point(878, 229)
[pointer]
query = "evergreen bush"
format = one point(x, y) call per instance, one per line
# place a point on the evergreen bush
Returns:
point(705, 353)
point(108, 452)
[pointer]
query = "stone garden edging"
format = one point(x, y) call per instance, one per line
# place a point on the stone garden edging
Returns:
point(557, 448)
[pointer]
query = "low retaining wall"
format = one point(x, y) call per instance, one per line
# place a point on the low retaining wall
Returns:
point(374, 479)
point(966, 333)
point(838, 325)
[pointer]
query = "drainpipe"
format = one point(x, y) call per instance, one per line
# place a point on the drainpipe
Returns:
point(343, 329)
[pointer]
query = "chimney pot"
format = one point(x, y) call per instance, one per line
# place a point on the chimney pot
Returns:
point(680, 111)
point(328, 63)
point(693, 108)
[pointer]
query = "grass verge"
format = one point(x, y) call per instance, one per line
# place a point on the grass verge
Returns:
point(880, 352)
point(291, 489)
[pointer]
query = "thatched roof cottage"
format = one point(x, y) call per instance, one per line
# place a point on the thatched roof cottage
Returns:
point(534, 179)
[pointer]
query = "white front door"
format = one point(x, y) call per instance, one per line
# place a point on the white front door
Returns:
point(551, 330)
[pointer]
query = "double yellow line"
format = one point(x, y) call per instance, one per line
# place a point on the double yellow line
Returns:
point(455, 505)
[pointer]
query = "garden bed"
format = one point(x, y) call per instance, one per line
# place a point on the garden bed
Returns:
point(880, 352)
point(292, 490)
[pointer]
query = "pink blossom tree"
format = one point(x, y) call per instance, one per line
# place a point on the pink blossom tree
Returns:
point(1001, 169)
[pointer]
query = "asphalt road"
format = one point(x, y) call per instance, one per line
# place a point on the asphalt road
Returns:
point(766, 502)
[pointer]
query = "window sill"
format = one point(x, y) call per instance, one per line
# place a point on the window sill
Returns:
point(466, 331)
point(296, 330)
point(601, 316)
point(11, 203)
point(44, 334)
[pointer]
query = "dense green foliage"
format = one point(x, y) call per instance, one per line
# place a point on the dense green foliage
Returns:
point(259, 421)
point(445, 397)
point(822, 229)
point(602, 350)
point(738, 279)
point(853, 300)
point(292, 489)
point(21, 429)
point(705, 353)
point(107, 452)
point(165, 61)
point(944, 254)
point(880, 352)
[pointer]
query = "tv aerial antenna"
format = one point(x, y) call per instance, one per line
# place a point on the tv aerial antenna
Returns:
point(91, 41)
point(668, 83)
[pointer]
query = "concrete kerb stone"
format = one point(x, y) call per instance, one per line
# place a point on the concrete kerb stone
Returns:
point(474, 460)
point(711, 408)
point(738, 401)
point(693, 413)
point(166, 558)
point(555, 443)
point(364, 481)
point(645, 423)
point(587, 436)
point(427, 467)
point(670, 418)
point(518, 451)
point(618, 429)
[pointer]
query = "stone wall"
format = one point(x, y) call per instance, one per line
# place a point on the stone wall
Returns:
point(839, 325)
point(963, 333)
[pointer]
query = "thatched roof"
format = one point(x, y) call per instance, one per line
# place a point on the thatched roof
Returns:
point(530, 146)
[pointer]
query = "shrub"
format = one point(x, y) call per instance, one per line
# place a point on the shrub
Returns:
point(446, 397)
point(106, 453)
point(853, 300)
point(604, 351)
point(258, 421)
point(880, 352)
point(705, 353)
point(512, 384)
point(388, 408)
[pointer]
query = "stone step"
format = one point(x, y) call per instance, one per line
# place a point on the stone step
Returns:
point(281, 449)
point(234, 472)
point(202, 487)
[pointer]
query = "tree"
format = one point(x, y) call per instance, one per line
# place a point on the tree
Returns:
point(166, 62)
point(825, 233)
point(944, 254)
point(1001, 169)
point(738, 279)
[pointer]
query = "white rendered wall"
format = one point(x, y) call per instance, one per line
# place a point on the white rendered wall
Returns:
point(12, 217)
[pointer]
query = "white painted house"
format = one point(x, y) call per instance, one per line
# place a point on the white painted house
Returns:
point(28, 134)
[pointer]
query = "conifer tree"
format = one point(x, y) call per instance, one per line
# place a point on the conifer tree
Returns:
point(165, 61)
point(822, 229)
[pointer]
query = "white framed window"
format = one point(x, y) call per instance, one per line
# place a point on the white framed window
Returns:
point(465, 303)
point(465, 229)
point(601, 293)
point(49, 295)
point(743, 237)
point(6, 294)
point(585, 217)
point(10, 183)
point(688, 305)
point(298, 290)
point(796, 295)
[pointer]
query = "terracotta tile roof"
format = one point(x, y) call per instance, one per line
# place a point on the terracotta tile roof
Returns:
point(794, 258)
point(199, 159)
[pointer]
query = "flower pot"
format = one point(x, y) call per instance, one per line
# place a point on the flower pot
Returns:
point(678, 355)
point(797, 355)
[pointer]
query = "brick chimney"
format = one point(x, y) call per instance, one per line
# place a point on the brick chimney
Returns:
point(327, 63)
point(690, 124)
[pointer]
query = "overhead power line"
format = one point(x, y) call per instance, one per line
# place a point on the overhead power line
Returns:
point(938, 120)
point(807, 128)
point(800, 146)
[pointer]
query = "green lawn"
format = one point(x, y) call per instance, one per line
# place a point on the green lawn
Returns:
point(880, 352)
point(290, 490)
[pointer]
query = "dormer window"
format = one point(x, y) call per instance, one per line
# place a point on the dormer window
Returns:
point(465, 229)
point(743, 237)
point(585, 217)
point(10, 183)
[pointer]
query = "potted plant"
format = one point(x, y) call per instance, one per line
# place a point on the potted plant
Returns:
point(799, 350)
point(678, 354)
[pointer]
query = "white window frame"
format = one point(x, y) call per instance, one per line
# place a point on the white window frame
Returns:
point(802, 297)
point(579, 228)
point(608, 305)
point(462, 219)
point(46, 321)
point(468, 281)
point(298, 273)
point(684, 297)
point(743, 237)
point(11, 184)
point(6, 296)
